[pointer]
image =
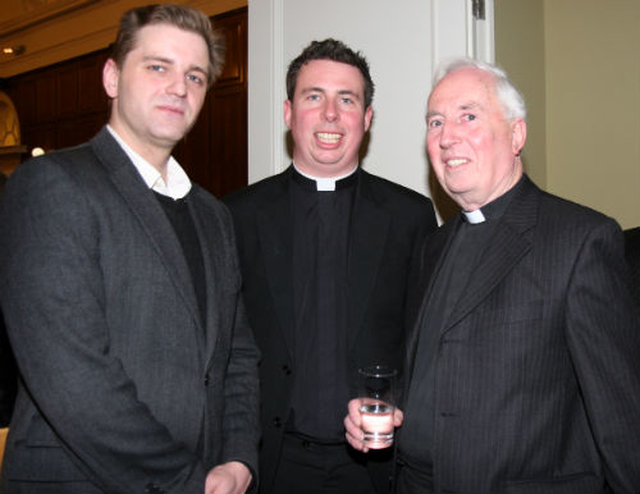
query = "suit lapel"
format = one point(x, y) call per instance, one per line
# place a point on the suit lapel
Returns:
point(146, 208)
point(509, 244)
point(208, 227)
point(369, 229)
point(274, 224)
point(433, 256)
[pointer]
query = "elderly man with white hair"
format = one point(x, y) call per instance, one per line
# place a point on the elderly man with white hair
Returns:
point(523, 366)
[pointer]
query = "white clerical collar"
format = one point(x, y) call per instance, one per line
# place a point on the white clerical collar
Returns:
point(177, 185)
point(325, 183)
point(474, 217)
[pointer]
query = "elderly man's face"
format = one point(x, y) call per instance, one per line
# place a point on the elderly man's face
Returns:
point(472, 147)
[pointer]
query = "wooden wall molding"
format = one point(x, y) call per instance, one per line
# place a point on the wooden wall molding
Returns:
point(36, 11)
point(52, 31)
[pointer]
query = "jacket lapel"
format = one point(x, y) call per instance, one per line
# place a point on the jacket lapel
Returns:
point(509, 244)
point(208, 227)
point(433, 255)
point(274, 224)
point(365, 251)
point(146, 208)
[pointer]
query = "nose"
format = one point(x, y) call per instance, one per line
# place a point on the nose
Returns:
point(178, 86)
point(331, 112)
point(448, 134)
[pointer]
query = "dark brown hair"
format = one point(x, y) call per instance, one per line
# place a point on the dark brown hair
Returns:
point(337, 51)
point(180, 16)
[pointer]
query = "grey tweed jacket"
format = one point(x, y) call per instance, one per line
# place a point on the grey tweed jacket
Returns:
point(124, 389)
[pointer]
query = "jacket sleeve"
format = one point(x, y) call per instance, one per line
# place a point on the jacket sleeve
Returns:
point(604, 340)
point(241, 426)
point(54, 302)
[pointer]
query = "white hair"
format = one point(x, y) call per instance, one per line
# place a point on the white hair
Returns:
point(512, 100)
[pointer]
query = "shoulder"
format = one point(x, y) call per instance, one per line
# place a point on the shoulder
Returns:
point(82, 165)
point(632, 240)
point(205, 201)
point(562, 213)
point(204, 198)
point(263, 191)
point(552, 214)
point(564, 230)
point(394, 197)
point(55, 169)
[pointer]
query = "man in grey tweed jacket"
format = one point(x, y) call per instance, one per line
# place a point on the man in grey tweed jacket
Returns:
point(120, 286)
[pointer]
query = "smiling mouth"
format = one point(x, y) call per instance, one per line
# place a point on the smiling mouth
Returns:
point(328, 137)
point(456, 162)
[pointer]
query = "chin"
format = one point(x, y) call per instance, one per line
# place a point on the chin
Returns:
point(171, 136)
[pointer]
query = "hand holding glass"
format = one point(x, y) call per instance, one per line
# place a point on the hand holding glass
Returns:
point(376, 395)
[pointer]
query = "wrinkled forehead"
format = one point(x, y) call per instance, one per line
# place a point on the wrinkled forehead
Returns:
point(462, 88)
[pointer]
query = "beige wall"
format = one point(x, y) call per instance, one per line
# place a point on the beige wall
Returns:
point(592, 51)
point(519, 42)
point(582, 88)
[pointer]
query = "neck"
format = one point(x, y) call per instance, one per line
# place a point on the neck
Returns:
point(335, 174)
point(504, 186)
point(156, 158)
point(154, 154)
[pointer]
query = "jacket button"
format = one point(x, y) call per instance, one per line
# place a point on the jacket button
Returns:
point(206, 380)
point(286, 369)
point(277, 422)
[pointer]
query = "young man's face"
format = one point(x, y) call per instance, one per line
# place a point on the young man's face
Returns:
point(160, 88)
point(327, 118)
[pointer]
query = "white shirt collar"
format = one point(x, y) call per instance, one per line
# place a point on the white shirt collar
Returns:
point(177, 185)
point(325, 183)
point(474, 217)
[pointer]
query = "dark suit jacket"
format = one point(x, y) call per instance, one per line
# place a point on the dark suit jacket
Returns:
point(125, 387)
point(8, 377)
point(537, 382)
point(388, 224)
point(632, 254)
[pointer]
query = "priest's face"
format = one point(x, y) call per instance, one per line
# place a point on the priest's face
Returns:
point(474, 150)
point(327, 118)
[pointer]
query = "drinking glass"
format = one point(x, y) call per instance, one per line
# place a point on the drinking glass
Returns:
point(376, 393)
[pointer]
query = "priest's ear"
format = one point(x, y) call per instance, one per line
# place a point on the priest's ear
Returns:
point(518, 135)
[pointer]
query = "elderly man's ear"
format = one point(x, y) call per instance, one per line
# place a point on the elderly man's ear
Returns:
point(518, 135)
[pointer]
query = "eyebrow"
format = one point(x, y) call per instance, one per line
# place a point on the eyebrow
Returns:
point(156, 58)
point(465, 106)
point(348, 92)
point(470, 106)
point(341, 92)
point(168, 61)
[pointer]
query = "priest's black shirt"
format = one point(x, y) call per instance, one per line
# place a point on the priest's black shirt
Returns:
point(320, 265)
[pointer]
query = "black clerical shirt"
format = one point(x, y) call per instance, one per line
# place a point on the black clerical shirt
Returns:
point(463, 255)
point(320, 248)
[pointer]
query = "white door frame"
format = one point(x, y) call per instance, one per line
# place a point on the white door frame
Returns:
point(440, 29)
point(480, 30)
